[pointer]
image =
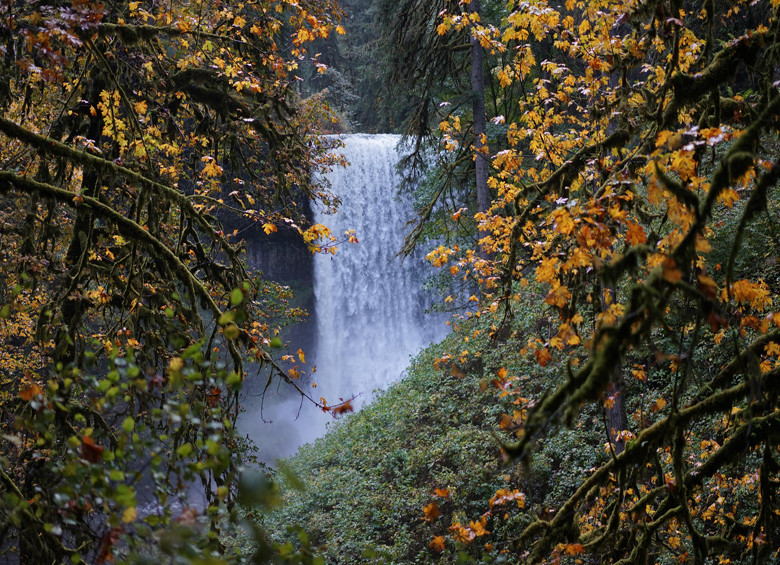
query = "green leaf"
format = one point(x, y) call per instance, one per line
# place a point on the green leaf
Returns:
point(231, 331)
point(234, 381)
point(184, 450)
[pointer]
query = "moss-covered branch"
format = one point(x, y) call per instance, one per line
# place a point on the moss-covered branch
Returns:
point(688, 88)
point(83, 158)
point(651, 438)
point(128, 227)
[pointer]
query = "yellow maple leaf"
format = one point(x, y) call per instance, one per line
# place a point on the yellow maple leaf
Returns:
point(658, 405)
point(504, 77)
point(211, 169)
point(176, 364)
point(669, 271)
point(562, 221)
point(728, 197)
point(479, 527)
point(129, 514)
point(546, 271)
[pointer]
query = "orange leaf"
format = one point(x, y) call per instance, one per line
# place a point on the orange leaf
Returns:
point(547, 270)
point(90, 450)
point(461, 534)
point(213, 396)
point(543, 356)
point(29, 390)
point(437, 544)
point(658, 405)
point(635, 233)
point(574, 548)
point(558, 296)
point(479, 527)
point(431, 512)
point(639, 373)
point(442, 492)
point(772, 348)
point(503, 496)
point(107, 542)
point(343, 408)
point(670, 272)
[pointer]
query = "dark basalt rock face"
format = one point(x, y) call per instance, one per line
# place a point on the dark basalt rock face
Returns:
point(283, 257)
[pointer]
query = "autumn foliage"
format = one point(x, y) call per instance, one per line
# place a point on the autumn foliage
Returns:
point(643, 129)
point(130, 133)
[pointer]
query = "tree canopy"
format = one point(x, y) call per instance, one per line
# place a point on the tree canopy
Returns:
point(131, 132)
point(645, 148)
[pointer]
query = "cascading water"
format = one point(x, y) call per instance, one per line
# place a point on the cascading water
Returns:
point(369, 304)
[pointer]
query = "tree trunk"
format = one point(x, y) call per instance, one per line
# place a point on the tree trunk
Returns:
point(616, 410)
point(478, 93)
point(616, 413)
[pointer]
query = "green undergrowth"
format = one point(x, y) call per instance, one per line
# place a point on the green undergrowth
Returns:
point(367, 482)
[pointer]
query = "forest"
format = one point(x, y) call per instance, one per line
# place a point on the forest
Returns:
point(594, 186)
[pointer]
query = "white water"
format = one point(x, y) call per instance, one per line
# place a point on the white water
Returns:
point(369, 304)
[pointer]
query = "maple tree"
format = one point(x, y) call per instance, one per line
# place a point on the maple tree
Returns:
point(131, 131)
point(642, 128)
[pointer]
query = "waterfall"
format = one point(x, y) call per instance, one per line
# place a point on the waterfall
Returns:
point(369, 303)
